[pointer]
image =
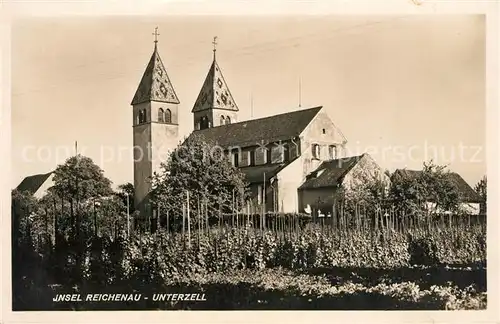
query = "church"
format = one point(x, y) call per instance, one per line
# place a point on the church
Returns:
point(292, 161)
point(279, 155)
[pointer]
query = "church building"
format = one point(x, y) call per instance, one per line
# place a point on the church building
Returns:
point(277, 154)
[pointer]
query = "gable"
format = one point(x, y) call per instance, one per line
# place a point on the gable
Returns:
point(323, 129)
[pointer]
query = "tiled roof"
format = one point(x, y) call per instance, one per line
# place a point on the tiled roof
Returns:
point(215, 93)
point(467, 193)
point(252, 132)
point(330, 173)
point(155, 84)
point(32, 183)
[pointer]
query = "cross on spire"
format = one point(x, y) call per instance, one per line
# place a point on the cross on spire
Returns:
point(155, 34)
point(214, 42)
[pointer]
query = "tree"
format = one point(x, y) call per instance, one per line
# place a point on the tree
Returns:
point(79, 180)
point(205, 171)
point(368, 188)
point(428, 192)
point(27, 270)
point(124, 190)
point(109, 217)
point(365, 196)
point(52, 208)
point(24, 205)
point(481, 189)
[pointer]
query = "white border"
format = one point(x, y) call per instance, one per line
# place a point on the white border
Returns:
point(17, 9)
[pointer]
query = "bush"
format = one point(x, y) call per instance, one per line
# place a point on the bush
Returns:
point(447, 246)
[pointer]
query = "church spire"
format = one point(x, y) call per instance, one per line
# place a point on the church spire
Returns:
point(214, 93)
point(155, 84)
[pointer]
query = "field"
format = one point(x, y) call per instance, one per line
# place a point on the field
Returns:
point(314, 266)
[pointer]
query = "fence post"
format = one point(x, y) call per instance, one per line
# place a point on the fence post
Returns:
point(168, 221)
point(220, 215)
point(198, 220)
point(95, 219)
point(158, 213)
point(183, 218)
point(248, 213)
point(237, 215)
point(232, 210)
point(55, 223)
point(205, 209)
point(188, 220)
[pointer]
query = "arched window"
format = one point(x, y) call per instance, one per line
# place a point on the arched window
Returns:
point(144, 116)
point(168, 116)
point(228, 120)
point(141, 116)
point(161, 115)
point(316, 151)
point(222, 121)
point(332, 152)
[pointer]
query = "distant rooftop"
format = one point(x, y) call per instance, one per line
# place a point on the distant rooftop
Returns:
point(468, 194)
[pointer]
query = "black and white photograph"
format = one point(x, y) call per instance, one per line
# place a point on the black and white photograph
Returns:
point(219, 162)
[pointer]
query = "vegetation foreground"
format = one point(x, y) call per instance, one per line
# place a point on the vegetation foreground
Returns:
point(250, 269)
point(79, 238)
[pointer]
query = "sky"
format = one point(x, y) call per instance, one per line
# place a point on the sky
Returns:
point(405, 89)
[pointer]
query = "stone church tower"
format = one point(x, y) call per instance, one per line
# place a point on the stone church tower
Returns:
point(155, 127)
point(215, 105)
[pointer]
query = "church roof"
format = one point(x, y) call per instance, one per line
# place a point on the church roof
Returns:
point(214, 93)
point(32, 183)
point(253, 132)
point(330, 173)
point(155, 84)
